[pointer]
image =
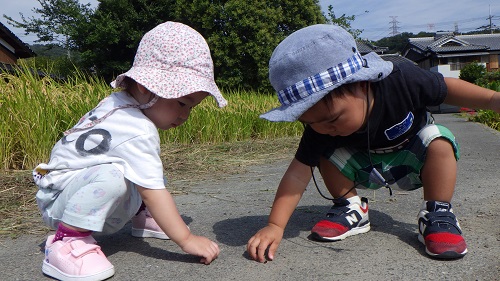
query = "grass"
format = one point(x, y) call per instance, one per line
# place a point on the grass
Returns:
point(35, 111)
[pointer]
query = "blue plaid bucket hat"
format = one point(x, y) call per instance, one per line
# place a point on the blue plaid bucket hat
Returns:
point(313, 61)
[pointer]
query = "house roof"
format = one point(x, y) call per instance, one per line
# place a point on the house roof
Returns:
point(365, 48)
point(13, 44)
point(457, 43)
point(396, 58)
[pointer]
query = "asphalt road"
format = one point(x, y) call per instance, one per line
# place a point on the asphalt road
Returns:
point(231, 210)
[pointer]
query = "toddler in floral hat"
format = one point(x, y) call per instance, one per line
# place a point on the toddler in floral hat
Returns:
point(107, 170)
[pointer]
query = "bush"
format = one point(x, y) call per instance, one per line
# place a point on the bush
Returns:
point(472, 71)
point(490, 80)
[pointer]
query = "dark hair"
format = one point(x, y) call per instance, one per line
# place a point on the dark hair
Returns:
point(340, 92)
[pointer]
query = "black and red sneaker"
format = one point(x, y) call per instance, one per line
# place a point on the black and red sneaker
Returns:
point(347, 217)
point(439, 231)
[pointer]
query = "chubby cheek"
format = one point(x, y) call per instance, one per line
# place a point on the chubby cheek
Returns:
point(324, 129)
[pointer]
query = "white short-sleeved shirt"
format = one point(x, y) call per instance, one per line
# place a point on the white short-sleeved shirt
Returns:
point(126, 138)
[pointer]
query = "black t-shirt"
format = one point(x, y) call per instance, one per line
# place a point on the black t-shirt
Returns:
point(398, 113)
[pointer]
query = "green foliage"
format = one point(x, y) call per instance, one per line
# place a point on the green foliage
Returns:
point(488, 117)
point(51, 51)
point(241, 34)
point(59, 68)
point(343, 21)
point(58, 21)
point(490, 79)
point(472, 71)
point(34, 111)
point(398, 42)
point(108, 42)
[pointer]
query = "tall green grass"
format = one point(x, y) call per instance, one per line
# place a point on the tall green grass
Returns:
point(34, 111)
point(239, 120)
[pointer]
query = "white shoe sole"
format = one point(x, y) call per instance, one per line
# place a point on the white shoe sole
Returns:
point(358, 230)
point(145, 233)
point(52, 271)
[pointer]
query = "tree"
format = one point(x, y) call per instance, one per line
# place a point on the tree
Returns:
point(343, 21)
point(108, 44)
point(241, 33)
point(59, 21)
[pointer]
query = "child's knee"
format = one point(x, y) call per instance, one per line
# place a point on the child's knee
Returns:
point(329, 171)
point(441, 146)
point(437, 139)
point(110, 179)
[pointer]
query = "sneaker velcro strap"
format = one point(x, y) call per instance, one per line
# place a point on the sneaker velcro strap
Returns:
point(337, 211)
point(80, 248)
point(439, 219)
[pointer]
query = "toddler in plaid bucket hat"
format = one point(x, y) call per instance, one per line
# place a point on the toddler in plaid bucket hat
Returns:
point(107, 169)
point(366, 126)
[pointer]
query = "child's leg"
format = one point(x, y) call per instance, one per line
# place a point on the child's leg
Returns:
point(144, 226)
point(97, 199)
point(439, 172)
point(439, 229)
point(338, 185)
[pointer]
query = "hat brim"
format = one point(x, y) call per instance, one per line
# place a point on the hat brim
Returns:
point(376, 69)
point(167, 83)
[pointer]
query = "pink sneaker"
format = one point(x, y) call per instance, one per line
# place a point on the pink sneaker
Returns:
point(76, 258)
point(143, 225)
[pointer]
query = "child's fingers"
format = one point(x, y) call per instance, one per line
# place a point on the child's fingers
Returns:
point(256, 249)
point(261, 251)
point(252, 248)
point(213, 253)
point(272, 250)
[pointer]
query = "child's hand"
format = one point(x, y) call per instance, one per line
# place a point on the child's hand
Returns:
point(202, 247)
point(270, 236)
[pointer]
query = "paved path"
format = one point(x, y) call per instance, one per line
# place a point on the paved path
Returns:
point(231, 210)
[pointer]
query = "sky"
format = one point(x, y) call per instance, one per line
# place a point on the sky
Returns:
point(377, 19)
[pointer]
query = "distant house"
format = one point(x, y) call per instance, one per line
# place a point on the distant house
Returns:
point(12, 48)
point(448, 53)
point(365, 48)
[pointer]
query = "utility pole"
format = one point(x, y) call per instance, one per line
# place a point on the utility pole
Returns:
point(490, 17)
point(394, 23)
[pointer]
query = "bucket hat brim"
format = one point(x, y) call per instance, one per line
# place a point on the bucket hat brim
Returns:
point(313, 61)
point(375, 65)
point(173, 60)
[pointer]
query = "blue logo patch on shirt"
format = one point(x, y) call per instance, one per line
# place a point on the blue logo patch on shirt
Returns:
point(400, 128)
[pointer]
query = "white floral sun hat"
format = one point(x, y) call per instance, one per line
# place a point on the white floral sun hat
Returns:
point(313, 61)
point(173, 60)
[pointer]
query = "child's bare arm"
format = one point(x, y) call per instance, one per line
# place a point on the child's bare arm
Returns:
point(162, 207)
point(290, 190)
point(463, 93)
